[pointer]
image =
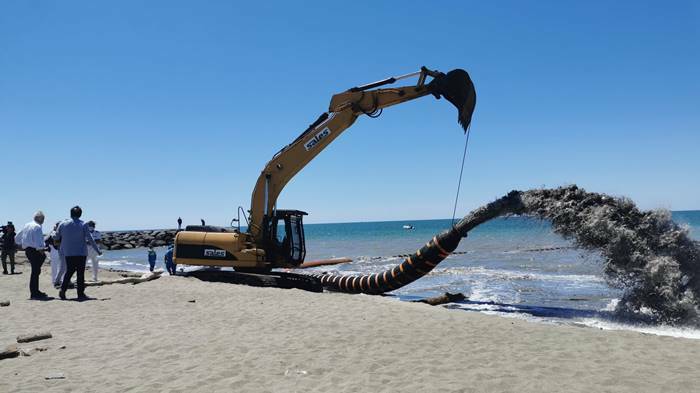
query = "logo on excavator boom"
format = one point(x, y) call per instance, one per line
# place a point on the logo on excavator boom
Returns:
point(317, 138)
point(209, 252)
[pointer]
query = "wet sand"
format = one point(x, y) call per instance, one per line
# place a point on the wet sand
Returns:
point(181, 334)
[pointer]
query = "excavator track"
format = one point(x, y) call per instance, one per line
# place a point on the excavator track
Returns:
point(272, 279)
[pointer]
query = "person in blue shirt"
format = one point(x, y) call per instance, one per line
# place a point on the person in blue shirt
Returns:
point(168, 259)
point(75, 236)
point(152, 256)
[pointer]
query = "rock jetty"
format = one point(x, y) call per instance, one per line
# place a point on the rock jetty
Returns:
point(135, 239)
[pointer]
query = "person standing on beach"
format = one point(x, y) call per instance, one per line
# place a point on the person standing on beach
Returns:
point(168, 260)
point(179, 223)
point(8, 248)
point(75, 236)
point(92, 255)
point(31, 239)
point(152, 256)
point(58, 263)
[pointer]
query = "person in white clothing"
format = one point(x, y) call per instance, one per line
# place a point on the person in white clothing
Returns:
point(92, 254)
point(31, 239)
point(58, 263)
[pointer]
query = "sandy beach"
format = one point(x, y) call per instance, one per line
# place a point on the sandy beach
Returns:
point(181, 334)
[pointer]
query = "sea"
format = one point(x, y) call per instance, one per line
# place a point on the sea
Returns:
point(515, 267)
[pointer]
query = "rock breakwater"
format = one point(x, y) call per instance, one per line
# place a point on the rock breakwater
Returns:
point(135, 239)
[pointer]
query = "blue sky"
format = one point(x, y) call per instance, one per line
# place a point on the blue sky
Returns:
point(145, 111)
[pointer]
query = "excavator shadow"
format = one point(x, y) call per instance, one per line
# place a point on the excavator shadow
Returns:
point(273, 279)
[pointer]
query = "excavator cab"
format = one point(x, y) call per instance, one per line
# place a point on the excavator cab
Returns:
point(287, 243)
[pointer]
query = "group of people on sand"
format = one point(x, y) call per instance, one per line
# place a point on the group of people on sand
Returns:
point(70, 244)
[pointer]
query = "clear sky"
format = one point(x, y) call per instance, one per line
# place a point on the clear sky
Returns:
point(141, 112)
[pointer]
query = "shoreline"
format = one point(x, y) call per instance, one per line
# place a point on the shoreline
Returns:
point(590, 318)
point(178, 333)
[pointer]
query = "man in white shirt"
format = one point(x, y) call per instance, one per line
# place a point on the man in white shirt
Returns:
point(31, 239)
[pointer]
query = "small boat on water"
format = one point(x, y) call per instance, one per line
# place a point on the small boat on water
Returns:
point(408, 226)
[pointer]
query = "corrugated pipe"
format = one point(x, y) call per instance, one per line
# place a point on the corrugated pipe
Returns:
point(426, 258)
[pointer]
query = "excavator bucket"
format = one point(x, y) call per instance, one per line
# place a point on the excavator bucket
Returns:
point(457, 87)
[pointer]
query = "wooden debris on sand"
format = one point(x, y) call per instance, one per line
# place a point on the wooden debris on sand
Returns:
point(4, 303)
point(9, 352)
point(442, 299)
point(26, 338)
point(128, 280)
point(130, 274)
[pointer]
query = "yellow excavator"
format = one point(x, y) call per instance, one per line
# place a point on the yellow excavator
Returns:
point(275, 237)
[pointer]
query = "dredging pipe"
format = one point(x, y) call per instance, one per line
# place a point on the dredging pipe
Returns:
point(426, 258)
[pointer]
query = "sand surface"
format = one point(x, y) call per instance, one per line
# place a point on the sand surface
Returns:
point(151, 337)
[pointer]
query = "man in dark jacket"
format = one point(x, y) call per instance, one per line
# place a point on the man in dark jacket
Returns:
point(75, 236)
point(8, 248)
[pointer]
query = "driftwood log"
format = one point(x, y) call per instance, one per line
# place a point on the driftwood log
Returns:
point(4, 303)
point(9, 352)
point(27, 338)
point(129, 274)
point(442, 299)
point(128, 280)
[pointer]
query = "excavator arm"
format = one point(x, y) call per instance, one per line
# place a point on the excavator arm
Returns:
point(345, 108)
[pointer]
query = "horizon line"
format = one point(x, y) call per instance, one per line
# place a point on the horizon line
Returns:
point(340, 222)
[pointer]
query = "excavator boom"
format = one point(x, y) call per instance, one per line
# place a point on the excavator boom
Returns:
point(455, 86)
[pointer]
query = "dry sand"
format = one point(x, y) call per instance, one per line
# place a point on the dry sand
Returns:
point(151, 337)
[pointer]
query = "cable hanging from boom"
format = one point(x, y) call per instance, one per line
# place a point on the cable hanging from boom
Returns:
point(461, 171)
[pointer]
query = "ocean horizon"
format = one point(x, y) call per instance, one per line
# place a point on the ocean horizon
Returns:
point(677, 215)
